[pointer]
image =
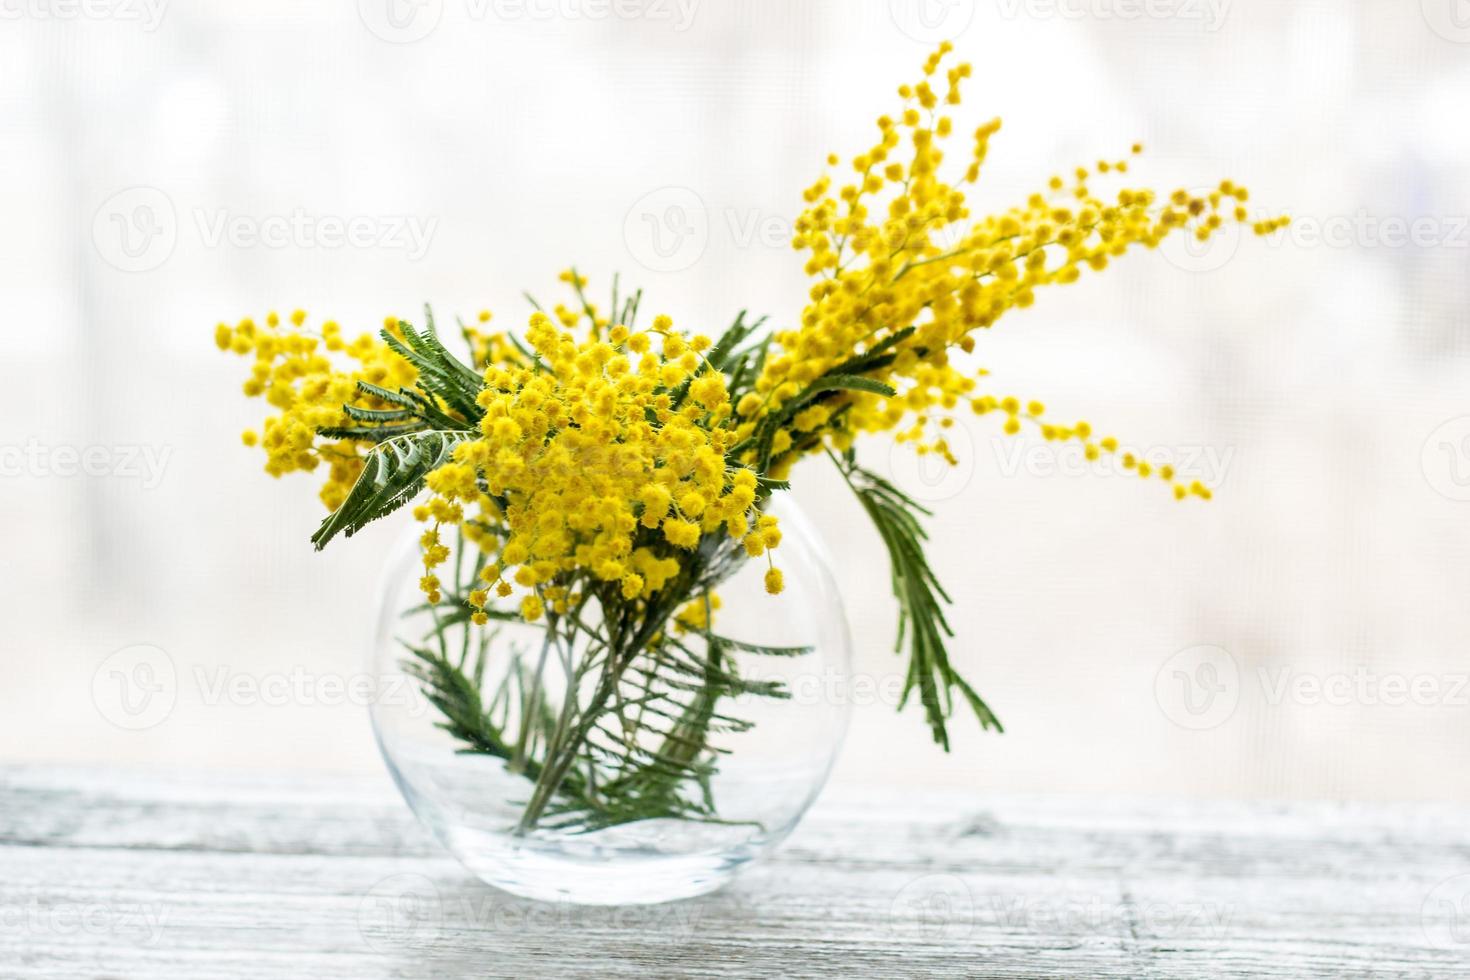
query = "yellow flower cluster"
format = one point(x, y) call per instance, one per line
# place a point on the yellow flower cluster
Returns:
point(897, 248)
point(604, 459)
point(294, 375)
point(584, 448)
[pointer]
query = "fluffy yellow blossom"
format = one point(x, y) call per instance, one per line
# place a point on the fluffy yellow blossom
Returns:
point(293, 373)
point(775, 583)
point(582, 454)
point(904, 270)
point(697, 613)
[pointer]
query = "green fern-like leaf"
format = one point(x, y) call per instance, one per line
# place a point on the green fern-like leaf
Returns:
point(767, 651)
point(878, 356)
point(441, 374)
point(921, 601)
point(392, 475)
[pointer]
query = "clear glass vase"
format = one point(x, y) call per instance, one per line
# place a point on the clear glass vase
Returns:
point(645, 778)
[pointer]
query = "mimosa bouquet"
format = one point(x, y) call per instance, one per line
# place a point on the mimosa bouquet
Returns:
point(598, 474)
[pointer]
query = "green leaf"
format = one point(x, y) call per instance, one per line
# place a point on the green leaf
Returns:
point(922, 625)
point(849, 382)
point(392, 475)
point(378, 415)
point(537, 364)
point(405, 398)
point(441, 374)
point(764, 436)
point(762, 649)
point(876, 356)
point(726, 350)
point(369, 433)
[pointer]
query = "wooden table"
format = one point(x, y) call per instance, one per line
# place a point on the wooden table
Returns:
point(125, 875)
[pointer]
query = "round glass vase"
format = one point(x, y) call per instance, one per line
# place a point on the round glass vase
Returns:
point(560, 764)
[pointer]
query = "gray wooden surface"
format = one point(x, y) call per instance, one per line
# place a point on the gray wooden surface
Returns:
point(128, 875)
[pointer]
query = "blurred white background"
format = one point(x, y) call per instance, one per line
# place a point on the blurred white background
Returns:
point(169, 164)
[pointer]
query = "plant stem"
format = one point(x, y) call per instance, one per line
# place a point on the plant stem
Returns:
point(519, 761)
point(559, 756)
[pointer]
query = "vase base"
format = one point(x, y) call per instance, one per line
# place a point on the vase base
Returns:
point(531, 872)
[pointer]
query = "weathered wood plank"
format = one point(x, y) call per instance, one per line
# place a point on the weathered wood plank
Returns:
point(128, 875)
